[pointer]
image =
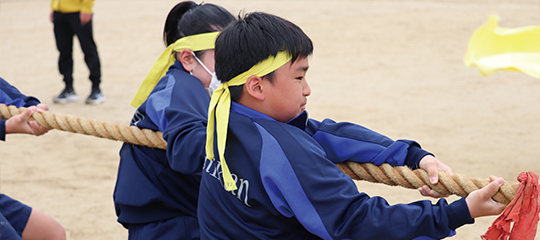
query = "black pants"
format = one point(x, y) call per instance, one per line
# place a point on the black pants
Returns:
point(66, 26)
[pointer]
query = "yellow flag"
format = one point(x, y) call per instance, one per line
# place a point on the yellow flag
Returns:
point(494, 48)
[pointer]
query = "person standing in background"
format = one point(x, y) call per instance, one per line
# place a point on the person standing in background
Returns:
point(74, 17)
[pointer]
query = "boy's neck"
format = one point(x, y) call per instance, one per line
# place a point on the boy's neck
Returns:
point(251, 102)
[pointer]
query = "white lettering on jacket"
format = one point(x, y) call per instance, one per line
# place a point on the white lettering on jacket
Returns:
point(213, 168)
point(137, 117)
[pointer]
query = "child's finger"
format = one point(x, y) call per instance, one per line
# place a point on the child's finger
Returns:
point(493, 187)
point(426, 191)
point(433, 173)
point(28, 113)
point(37, 129)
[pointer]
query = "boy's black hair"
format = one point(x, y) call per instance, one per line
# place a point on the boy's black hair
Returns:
point(252, 39)
point(189, 18)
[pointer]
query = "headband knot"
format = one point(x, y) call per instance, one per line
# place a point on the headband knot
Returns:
point(219, 109)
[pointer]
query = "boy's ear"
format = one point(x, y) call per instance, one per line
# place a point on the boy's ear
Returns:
point(253, 87)
point(187, 60)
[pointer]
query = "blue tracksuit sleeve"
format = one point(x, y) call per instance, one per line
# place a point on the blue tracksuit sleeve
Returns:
point(179, 107)
point(327, 203)
point(2, 129)
point(10, 95)
point(351, 142)
point(186, 133)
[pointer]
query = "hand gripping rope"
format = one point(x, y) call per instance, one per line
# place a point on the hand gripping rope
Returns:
point(524, 210)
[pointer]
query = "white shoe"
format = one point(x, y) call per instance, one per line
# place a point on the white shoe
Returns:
point(65, 97)
point(95, 98)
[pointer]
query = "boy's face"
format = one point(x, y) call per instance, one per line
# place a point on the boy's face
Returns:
point(286, 96)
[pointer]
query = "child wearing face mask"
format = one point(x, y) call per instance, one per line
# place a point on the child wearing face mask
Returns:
point(214, 82)
point(156, 191)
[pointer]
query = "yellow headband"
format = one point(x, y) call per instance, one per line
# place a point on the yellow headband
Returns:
point(198, 42)
point(222, 96)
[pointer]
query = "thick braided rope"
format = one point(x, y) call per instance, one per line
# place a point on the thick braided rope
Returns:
point(413, 179)
point(129, 134)
point(386, 174)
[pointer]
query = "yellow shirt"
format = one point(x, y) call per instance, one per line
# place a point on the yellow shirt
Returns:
point(71, 6)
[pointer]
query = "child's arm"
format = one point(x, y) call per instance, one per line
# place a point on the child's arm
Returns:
point(352, 214)
point(182, 119)
point(10, 95)
point(345, 141)
point(352, 142)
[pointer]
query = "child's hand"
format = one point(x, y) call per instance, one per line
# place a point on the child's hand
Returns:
point(480, 203)
point(432, 166)
point(19, 123)
point(36, 128)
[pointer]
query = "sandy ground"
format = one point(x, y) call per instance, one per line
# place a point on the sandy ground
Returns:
point(393, 66)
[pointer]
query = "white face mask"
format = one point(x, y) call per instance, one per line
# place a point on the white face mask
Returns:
point(214, 83)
